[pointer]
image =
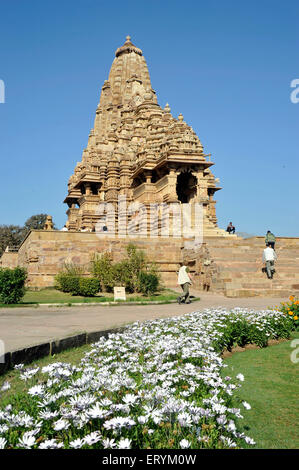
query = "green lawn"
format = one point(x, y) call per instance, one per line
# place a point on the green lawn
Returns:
point(271, 387)
point(51, 295)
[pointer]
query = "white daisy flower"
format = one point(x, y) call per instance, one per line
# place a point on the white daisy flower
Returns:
point(61, 424)
point(5, 386)
point(109, 443)
point(51, 444)
point(77, 443)
point(185, 444)
point(92, 438)
point(2, 442)
point(27, 440)
point(124, 444)
point(246, 405)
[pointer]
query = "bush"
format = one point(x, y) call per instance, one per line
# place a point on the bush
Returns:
point(67, 280)
point(12, 284)
point(102, 269)
point(88, 286)
point(291, 310)
point(125, 273)
point(148, 283)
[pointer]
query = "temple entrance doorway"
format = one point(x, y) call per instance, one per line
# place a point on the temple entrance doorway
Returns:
point(186, 187)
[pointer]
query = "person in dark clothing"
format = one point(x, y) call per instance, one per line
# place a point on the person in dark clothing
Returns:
point(270, 239)
point(230, 228)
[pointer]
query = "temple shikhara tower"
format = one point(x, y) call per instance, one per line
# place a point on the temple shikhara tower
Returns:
point(138, 149)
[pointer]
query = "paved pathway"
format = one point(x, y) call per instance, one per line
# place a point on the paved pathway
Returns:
point(23, 327)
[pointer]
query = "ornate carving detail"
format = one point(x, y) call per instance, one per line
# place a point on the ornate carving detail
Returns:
point(133, 135)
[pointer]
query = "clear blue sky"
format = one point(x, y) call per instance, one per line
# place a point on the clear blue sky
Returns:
point(225, 65)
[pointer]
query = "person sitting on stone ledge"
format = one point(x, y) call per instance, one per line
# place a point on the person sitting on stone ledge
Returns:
point(230, 228)
point(64, 229)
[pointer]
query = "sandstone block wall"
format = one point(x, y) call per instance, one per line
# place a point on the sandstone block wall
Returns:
point(9, 260)
point(44, 253)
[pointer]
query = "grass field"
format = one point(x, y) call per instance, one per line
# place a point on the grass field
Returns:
point(271, 387)
point(51, 295)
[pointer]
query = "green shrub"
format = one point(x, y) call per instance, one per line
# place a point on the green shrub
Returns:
point(122, 275)
point(12, 284)
point(148, 283)
point(88, 286)
point(102, 269)
point(67, 280)
point(126, 273)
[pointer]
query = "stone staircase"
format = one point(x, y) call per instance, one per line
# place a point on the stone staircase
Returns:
point(238, 267)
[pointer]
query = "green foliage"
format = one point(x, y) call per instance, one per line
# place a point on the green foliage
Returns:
point(291, 310)
point(148, 283)
point(13, 235)
point(102, 269)
point(88, 286)
point(71, 280)
point(67, 280)
point(35, 222)
point(10, 235)
point(12, 284)
point(125, 273)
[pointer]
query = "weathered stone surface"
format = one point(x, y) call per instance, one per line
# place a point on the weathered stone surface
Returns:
point(27, 355)
point(68, 343)
point(5, 363)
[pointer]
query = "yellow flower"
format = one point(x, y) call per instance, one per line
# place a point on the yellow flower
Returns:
point(292, 298)
point(291, 313)
point(295, 317)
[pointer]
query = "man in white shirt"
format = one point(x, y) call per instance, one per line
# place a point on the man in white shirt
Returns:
point(184, 280)
point(269, 257)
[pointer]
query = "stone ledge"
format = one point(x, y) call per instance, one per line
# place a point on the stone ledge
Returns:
point(32, 353)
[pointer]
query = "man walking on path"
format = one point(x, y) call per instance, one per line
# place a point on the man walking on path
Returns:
point(270, 239)
point(184, 280)
point(269, 257)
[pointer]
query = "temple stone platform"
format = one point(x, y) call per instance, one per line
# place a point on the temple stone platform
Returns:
point(229, 265)
point(237, 267)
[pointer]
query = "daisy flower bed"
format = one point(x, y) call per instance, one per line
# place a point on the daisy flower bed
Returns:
point(158, 384)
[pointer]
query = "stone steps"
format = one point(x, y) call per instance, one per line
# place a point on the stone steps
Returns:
point(238, 264)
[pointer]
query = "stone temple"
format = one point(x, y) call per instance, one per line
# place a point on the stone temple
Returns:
point(139, 152)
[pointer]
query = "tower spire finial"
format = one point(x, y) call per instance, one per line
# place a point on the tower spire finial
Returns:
point(128, 38)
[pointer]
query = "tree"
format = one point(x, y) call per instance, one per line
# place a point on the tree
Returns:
point(13, 235)
point(10, 235)
point(35, 222)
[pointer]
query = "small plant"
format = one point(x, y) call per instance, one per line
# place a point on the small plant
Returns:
point(291, 309)
point(101, 266)
point(88, 286)
point(125, 273)
point(67, 280)
point(12, 284)
point(148, 283)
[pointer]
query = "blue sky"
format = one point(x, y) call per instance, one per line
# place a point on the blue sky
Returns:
point(226, 66)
